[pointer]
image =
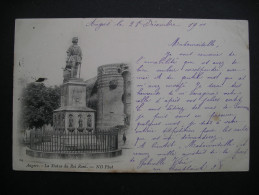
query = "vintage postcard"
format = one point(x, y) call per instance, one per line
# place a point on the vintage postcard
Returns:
point(131, 95)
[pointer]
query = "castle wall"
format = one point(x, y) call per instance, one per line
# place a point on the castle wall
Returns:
point(110, 107)
point(127, 95)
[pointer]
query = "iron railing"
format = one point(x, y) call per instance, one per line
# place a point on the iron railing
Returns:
point(74, 142)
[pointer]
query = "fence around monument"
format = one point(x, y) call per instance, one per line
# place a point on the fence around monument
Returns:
point(73, 142)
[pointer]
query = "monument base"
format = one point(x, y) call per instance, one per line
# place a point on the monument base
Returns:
point(73, 115)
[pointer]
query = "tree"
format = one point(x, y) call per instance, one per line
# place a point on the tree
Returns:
point(38, 103)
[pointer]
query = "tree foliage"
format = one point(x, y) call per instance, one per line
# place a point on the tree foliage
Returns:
point(38, 103)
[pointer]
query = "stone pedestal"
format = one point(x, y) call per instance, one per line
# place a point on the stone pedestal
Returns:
point(73, 115)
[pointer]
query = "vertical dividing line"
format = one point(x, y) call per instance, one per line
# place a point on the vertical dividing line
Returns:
point(83, 141)
point(78, 141)
point(34, 141)
point(55, 146)
point(33, 144)
point(43, 142)
point(113, 142)
point(38, 142)
point(56, 142)
point(116, 141)
point(103, 141)
point(64, 134)
point(110, 142)
point(69, 141)
point(44, 146)
point(61, 142)
point(30, 139)
point(41, 145)
point(98, 141)
point(80, 144)
point(107, 140)
point(110, 137)
point(51, 143)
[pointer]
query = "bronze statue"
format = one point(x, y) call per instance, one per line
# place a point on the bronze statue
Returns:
point(73, 61)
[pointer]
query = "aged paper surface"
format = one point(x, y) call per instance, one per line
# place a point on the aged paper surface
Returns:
point(131, 95)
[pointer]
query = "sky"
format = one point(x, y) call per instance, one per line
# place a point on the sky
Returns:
point(41, 45)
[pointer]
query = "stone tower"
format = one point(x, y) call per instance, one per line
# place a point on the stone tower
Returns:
point(126, 74)
point(110, 89)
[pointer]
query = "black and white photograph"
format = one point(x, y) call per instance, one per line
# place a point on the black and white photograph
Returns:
point(131, 95)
